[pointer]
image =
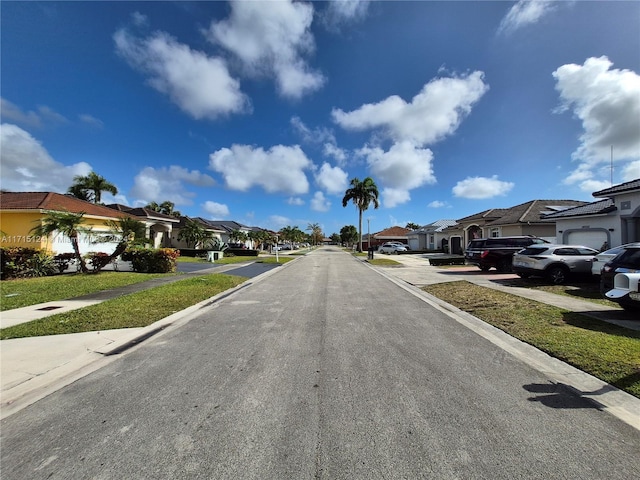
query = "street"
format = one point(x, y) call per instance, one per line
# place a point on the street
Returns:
point(322, 370)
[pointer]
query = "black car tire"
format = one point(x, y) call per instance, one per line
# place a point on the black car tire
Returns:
point(524, 275)
point(484, 268)
point(557, 275)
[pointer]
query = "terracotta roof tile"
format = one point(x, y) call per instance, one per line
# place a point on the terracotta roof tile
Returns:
point(56, 202)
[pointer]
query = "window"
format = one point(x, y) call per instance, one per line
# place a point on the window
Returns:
point(494, 232)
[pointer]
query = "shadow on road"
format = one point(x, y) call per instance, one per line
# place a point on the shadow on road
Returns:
point(561, 396)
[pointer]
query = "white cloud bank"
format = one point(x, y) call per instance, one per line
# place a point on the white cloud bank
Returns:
point(319, 203)
point(272, 39)
point(279, 169)
point(525, 12)
point(28, 167)
point(607, 102)
point(216, 211)
point(198, 84)
point(332, 179)
point(432, 115)
point(160, 184)
point(478, 188)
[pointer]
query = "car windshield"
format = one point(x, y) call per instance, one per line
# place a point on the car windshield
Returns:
point(629, 258)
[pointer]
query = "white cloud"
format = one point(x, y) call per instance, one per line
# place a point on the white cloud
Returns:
point(297, 201)
point(631, 171)
point(523, 13)
point(280, 169)
point(342, 12)
point(333, 151)
point(590, 186)
point(319, 203)
point(332, 179)
point(320, 136)
point(27, 166)
point(403, 168)
point(479, 188)
point(271, 39)
point(433, 114)
point(43, 116)
point(437, 204)
point(160, 184)
point(91, 120)
point(276, 222)
point(217, 211)
point(607, 101)
point(200, 85)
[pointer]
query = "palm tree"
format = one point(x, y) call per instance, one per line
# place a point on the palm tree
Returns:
point(316, 233)
point(194, 233)
point(65, 223)
point(166, 207)
point(362, 193)
point(91, 187)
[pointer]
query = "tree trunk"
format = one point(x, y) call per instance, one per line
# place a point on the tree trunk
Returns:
point(76, 249)
point(360, 230)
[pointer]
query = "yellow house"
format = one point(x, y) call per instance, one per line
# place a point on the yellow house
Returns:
point(20, 212)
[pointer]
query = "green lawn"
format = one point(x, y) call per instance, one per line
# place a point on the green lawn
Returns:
point(606, 351)
point(134, 310)
point(30, 291)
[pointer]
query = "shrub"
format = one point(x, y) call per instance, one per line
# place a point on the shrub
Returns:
point(97, 260)
point(148, 260)
point(26, 262)
point(62, 261)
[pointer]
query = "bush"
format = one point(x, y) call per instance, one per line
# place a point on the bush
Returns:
point(20, 262)
point(97, 260)
point(62, 261)
point(148, 260)
point(241, 252)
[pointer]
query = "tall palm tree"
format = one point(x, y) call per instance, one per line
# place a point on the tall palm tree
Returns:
point(91, 186)
point(67, 224)
point(166, 207)
point(362, 193)
point(316, 233)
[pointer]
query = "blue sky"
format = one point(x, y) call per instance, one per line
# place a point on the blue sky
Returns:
point(262, 112)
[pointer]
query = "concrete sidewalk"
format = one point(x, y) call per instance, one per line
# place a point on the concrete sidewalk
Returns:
point(32, 368)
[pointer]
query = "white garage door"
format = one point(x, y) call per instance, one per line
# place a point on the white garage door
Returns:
point(593, 239)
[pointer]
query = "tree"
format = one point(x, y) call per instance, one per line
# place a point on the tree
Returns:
point(65, 223)
point(90, 187)
point(195, 234)
point(316, 233)
point(166, 207)
point(413, 226)
point(348, 234)
point(335, 238)
point(361, 193)
point(238, 236)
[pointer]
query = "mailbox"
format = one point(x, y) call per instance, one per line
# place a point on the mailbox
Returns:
point(625, 284)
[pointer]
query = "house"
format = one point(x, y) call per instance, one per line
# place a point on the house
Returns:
point(523, 219)
point(20, 212)
point(395, 234)
point(177, 242)
point(614, 220)
point(431, 236)
point(158, 225)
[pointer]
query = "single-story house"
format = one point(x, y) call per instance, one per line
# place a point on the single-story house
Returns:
point(612, 221)
point(20, 212)
point(177, 242)
point(395, 234)
point(158, 225)
point(431, 236)
point(523, 219)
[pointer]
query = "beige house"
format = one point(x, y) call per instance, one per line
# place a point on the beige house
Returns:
point(524, 219)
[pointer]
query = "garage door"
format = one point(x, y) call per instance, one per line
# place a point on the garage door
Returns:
point(588, 238)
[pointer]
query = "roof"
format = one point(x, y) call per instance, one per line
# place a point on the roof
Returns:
point(594, 208)
point(393, 232)
point(438, 225)
point(621, 188)
point(55, 202)
point(223, 225)
point(143, 212)
point(529, 212)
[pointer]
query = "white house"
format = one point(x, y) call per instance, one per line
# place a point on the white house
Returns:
point(431, 236)
point(614, 220)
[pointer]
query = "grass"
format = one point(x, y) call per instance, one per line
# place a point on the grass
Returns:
point(135, 310)
point(384, 262)
point(606, 351)
point(24, 292)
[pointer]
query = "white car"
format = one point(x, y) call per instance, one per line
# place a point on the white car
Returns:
point(392, 247)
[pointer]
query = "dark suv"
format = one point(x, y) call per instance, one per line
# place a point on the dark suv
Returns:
point(496, 252)
point(627, 261)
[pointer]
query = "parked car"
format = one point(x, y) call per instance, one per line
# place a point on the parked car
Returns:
point(627, 261)
point(604, 257)
point(390, 247)
point(497, 252)
point(554, 262)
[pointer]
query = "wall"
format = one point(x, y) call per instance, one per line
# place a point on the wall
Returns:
point(600, 226)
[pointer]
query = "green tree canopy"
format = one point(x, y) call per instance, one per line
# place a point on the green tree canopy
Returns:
point(67, 224)
point(90, 187)
point(413, 226)
point(362, 194)
point(349, 234)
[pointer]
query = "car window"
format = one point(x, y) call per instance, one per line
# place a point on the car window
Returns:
point(587, 251)
point(629, 258)
point(565, 251)
point(533, 250)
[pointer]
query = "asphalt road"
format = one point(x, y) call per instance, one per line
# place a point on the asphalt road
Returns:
point(324, 369)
